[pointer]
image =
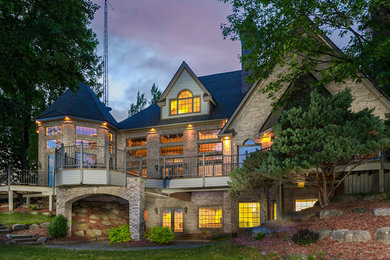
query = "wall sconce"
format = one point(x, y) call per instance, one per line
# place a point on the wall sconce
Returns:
point(185, 209)
point(156, 210)
point(301, 184)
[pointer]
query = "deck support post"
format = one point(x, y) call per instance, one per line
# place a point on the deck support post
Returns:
point(125, 165)
point(381, 178)
point(204, 170)
point(28, 201)
point(164, 169)
point(108, 163)
point(10, 200)
point(279, 201)
point(51, 203)
point(140, 166)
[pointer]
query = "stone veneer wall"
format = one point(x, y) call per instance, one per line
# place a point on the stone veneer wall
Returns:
point(93, 216)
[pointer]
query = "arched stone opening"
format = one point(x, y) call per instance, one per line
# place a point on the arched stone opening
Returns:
point(93, 216)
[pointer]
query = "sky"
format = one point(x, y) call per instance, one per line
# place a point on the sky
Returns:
point(149, 39)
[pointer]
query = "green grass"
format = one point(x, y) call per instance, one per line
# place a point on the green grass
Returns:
point(218, 250)
point(23, 218)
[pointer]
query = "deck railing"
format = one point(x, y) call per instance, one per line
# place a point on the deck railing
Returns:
point(15, 176)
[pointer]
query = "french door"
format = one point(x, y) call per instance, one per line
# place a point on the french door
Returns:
point(173, 219)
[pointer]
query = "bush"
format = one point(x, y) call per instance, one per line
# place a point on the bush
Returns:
point(161, 235)
point(59, 227)
point(260, 236)
point(120, 234)
point(305, 237)
point(33, 207)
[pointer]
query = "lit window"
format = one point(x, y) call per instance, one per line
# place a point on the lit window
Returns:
point(110, 136)
point(304, 204)
point(145, 218)
point(249, 214)
point(89, 159)
point(86, 144)
point(53, 130)
point(138, 153)
point(173, 150)
point(213, 165)
point(275, 210)
point(111, 148)
point(81, 130)
point(136, 141)
point(53, 143)
point(185, 103)
point(178, 221)
point(167, 218)
point(208, 134)
point(266, 139)
point(172, 138)
point(210, 217)
point(210, 147)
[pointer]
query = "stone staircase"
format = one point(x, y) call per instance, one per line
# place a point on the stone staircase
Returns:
point(24, 239)
point(4, 229)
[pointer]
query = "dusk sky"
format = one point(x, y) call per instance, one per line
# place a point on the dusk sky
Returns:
point(149, 39)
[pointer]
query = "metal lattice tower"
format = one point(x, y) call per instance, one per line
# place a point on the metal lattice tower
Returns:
point(105, 57)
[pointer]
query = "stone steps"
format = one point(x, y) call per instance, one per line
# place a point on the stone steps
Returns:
point(18, 236)
point(5, 230)
point(24, 239)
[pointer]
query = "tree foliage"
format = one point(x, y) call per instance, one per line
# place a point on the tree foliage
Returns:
point(321, 143)
point(288, 33)
point(45, 47)
point(141, 100)
point(156, 94)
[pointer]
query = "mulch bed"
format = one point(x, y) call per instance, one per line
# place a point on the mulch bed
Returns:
point(332, 249)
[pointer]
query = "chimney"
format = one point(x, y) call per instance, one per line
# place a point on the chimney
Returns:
point(244, 84)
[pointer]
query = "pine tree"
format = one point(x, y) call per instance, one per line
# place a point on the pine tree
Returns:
point(156, 94)
point(139, 104)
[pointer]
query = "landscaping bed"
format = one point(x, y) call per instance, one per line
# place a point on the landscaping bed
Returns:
point(23, 218)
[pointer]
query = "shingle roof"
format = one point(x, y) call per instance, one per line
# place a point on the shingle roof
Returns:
point(225, 88)
point(83, 103)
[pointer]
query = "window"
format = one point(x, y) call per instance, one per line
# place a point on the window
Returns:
point(110, 137)
point(302, 204)
point(86, 144)
point(80, 130)
point(136, 141)
point(184, 104)
point(266, 139)
point(173, 150)
point(55, 143)
point(208, 134)
point(138, 153)
point(210, 217)
point(275, 210)
point(249, 146)
point(210, 147)
point(172, 138)
point(213, 165)
point(249, 214)
point(53, 130)
point(167, 218)
point(89, 159)
point(111, 148)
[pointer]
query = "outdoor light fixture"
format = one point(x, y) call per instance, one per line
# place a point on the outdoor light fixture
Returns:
point(67, 118)
point(156, 210)
point(301, 184)
point(185, 209)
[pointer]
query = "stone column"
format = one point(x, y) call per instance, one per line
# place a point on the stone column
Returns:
point(135, 192)
point(64, 207)
point(190, 151)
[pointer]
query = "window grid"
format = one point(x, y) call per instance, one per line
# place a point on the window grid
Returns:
point(136, 141)
point(53, 130)
point(87, 144)
point(167, 218)
point(185, 106)
point(213, 165)
point(81, 130)
point(302, 204)
point(88, 158)
point(210, 147)
point(197, 104)
point(172, 150)
point(54, 143)
point(185, 94)
point(249, 214)
point(173, 107)
point(208, 134)
point(210, 217)
point(171, 138)
point(178, 220)
point(110, 136)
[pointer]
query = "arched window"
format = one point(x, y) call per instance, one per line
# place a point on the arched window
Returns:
point(184, 104)
point(244, 150)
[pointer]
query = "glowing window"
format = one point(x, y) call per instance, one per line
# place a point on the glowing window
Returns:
point(210, 147)
point(167, 218)
point(184, 104)
point(111, 148)
point(145, 218)
point(177, 219)
point(87, 144)
point(136, 141)
point(53, 130)
point(249, 214)
point(173, 150)
point(304, 204)
point(208, 134)
point(213, 165)
point(53, 143)
point(81, 130)
point(275, 210)
point(138, 153)
point(210, 217)
point(172, 138)
point(110, 136)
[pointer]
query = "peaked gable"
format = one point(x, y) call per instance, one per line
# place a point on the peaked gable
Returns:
point(83, 104)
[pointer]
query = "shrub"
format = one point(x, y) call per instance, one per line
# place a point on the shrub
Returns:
point(119, 234)
point(260, 236)
point(58, 227)
point(33, 207)
point(161, 235)
point(305, 237)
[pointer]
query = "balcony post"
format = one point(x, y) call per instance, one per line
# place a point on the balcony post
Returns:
point(62, 162)
point(108, 163)
point(381, 178)
point(54, 170)
point(81, 162)
point(204, 170)
point(164, 169)
point(125, 165)
point(140, 165)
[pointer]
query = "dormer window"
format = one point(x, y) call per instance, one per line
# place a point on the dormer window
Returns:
point(184, 104)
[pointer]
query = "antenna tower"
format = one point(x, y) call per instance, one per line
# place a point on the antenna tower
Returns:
point(105, 57)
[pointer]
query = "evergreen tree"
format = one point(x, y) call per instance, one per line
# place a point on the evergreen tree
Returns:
point(139, 104)
point(156, 94)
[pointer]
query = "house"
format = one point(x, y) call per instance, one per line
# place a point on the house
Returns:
point(168, 165)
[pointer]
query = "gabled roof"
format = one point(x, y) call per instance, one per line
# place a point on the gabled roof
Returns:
point(83, 104)
point(225, 88)
point(184, 66)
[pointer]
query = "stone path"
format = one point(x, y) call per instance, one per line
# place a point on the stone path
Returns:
point(105, 246)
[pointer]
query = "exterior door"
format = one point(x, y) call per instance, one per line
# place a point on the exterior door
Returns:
point(173, 218)
point(51, 169)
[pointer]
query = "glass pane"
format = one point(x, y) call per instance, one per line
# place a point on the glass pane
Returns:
point(210, 217)
point(53, 130)
point(211, 147)
point(197, 104)
point(185, 106)
point(304, 204)
point(171, 138)
point(87, 144)
point(55, 143)
point(208, 134)
point(89, 159)
point(185, 94)
point(249, 214)
point(136, 141)
point(249, 142)
point(80, 130)
point(173, 150)
point(178, 220)
point(51, 169)
point(173, 107)
point(167, 218)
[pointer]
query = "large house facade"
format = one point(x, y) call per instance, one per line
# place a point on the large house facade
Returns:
point(169, 164)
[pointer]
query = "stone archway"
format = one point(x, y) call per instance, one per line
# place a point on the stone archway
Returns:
point(133, 193)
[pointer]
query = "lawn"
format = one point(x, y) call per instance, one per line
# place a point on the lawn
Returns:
point(218, 250)
point(23, 218)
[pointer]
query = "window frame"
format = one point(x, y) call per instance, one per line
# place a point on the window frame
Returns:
point(57, 134)
point(307, 199)
point(136, 138)
point(58, 141)
point(213, 206)
point(208, 139)
point(177, 104)
point(247, 202)
point(172, 210)
point(91, 135)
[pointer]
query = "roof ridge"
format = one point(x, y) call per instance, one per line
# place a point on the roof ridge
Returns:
point(219, 73)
